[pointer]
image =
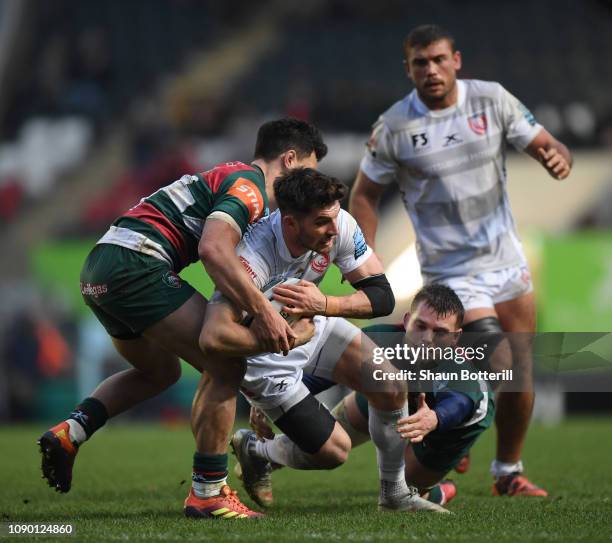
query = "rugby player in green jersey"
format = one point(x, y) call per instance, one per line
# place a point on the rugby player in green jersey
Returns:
point(445, 421)
point(130, 281)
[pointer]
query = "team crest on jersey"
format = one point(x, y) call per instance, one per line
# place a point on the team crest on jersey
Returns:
point(172, 280)
point(478, 123)
point(247, 192)
point(320, 263)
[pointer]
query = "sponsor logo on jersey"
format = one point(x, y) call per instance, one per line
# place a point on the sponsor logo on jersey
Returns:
point(360, 243)
point(527, 114)
point(247, 192)
point(320, 263)
point(478, 123)
point(89, 289)
point(419, 140)
point(281, 386)
point(247, 267)
point(172, 280)
point(452, 139)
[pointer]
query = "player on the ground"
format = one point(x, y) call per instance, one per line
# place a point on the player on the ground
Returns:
point(130, 282)
point(444, 145)
point(301, 240)
point(446, 420)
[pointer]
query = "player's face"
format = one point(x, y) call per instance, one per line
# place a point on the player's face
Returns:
point(425, 327)
point(318, 230)
point(433, 70)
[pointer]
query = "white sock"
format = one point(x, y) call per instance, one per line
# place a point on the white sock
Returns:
point(77, 432)
point(501, 469)
point(281, 450)
point(390, 449)
point(208, 490)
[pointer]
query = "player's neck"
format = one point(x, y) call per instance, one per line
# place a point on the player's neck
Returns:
point(447, 101)
point(271, 171)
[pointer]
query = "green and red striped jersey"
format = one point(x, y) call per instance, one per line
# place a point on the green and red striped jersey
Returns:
point(168, 224)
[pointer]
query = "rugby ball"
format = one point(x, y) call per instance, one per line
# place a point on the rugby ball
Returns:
point(268, 292)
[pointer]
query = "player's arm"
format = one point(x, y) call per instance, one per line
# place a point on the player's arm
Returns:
point(374, 297)
point(217, 250)
point(363, 205)
point(551, 153)
point(452, 408)
point(223, 335)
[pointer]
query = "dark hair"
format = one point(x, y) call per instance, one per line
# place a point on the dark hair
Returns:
point(442, 299)
point(303, 189)
point(277, 137)
point(425, 35)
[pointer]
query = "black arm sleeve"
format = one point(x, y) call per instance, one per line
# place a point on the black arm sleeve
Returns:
point(378, 290)
point(452, 409)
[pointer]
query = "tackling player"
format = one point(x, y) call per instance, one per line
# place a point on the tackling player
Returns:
point(444, 145)
point(130, 281)
point(445, 423)
point(302, 239)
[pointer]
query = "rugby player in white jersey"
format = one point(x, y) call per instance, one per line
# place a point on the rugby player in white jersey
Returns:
point(302, 239)
point(444, 145)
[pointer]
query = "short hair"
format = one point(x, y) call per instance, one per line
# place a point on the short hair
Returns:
point(303, 189)
point(276, 137)
point(425, 35)
point(442, 299)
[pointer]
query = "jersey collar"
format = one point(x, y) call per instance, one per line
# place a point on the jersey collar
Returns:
point(423, 109)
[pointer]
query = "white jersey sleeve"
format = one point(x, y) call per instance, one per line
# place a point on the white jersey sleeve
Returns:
point(519, 123)
point(352, 249)
point(379, 162)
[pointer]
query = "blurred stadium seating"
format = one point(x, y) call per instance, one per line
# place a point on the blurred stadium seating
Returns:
point(103, 102)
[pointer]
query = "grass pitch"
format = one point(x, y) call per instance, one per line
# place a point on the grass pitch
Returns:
point(130, 482)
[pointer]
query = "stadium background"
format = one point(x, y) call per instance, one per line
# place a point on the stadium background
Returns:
point(103, 102)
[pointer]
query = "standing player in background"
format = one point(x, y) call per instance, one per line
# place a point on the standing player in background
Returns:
point(443, 144)
point(130, 281)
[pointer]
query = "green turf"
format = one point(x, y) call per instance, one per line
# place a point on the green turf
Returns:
point(130, 483)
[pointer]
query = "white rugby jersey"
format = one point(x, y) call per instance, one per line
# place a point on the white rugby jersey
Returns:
point(450, 169)
point(264, 253)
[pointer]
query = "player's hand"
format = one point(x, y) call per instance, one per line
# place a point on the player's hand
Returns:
point(273, 332)
point(304, 330)
point(303, 299)
point(259, 424)
point(554, 162)
point(415, 427)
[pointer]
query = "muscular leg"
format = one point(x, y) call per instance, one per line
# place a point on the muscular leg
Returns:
point(387, 404)
point(155, 369)
point(514, 407)
point(214, 404)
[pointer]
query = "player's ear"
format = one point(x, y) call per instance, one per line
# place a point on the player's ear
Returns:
point(289, 221)
point(406, 319)
point(407, 68)
point(289, 159)
point(457, 60)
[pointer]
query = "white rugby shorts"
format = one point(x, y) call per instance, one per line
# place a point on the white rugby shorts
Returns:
point(273, 382)
point(489, 288)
